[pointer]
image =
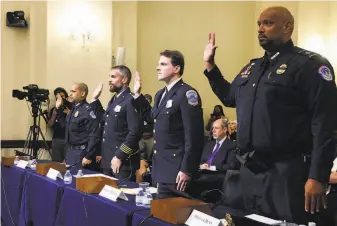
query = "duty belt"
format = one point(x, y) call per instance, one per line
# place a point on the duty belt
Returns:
point(259, 162)
point(78, 147)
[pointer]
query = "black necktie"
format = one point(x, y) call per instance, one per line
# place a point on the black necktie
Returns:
point(163, 96)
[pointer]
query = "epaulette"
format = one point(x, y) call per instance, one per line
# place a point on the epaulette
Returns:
point(255, 59)
point(312, 55)
point(88, 107)
point(306, 53)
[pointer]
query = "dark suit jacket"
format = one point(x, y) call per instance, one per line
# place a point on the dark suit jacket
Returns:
point(224, 159)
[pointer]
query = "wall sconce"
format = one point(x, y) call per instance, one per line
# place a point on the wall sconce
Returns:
point(84, 37)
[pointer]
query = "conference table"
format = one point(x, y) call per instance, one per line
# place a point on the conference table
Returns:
point(29, 198)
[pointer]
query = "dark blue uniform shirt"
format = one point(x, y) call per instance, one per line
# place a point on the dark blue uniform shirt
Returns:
point(82, 128)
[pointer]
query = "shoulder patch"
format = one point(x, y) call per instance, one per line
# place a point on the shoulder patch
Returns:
point(92, 114)
point(325, 72)
point(192, 97)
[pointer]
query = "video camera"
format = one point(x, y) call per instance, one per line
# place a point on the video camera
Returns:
point(33, 94)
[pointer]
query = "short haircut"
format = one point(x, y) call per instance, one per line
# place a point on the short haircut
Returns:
point(124, 71)
point(224, 123)
point(83, 87)
point(177, 59)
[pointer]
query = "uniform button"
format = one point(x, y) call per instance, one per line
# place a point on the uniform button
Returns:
point(107, 115)
point(167, 112)
point(104, 131)
point(253, 84)
point(154, 131)
point(154, 141)
point(103, 139)
point(116, 146)
point(155, 121)
point(155, 151)
point(174, 154)
point(106, 123)
point(115, 115)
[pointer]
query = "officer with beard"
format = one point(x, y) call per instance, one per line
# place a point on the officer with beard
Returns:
point(121, 125)
point(285, 104)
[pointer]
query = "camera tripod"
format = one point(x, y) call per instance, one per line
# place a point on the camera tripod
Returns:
point(32, 144)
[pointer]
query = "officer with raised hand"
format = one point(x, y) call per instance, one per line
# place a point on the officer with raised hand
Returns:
point(82, 129)
point(285, 104)
point(122, 126)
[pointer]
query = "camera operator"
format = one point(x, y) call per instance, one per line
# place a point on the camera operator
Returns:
point(56, 121)
point(217, 114)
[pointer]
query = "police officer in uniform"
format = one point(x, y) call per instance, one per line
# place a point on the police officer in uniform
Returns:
point(285, 104)
point(122, 127)
point(178, 127)
point(82, 129)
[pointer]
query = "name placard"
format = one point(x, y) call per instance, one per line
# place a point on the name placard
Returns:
point(22, 164)
point(198, 218)
point(54, 174)
point(112, 193)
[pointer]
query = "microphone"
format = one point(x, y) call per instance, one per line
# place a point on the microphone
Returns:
point(71, 166)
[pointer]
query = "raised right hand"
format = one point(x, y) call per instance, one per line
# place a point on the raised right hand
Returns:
point(59, 101)
point(97, 92)
point(210, 48)
point(137, 87)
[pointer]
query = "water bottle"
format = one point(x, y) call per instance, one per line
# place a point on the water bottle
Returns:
point(16, 160)
point(67, 177)
point(79, 173)
point(287, 224)
point(139, 197)
point(148, 198)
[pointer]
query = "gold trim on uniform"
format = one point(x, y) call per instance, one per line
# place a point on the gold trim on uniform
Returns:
point(126, 149)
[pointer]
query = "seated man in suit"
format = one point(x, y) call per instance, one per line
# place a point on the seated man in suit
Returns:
point(218, 156)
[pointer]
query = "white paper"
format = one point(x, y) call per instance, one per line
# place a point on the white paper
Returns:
point(198, 218)
point(223, 222)
point(54, 174)
point(112, 193)
point(212, 168)
point(263, 219)
point(133, 191)
point(97, 175)
point(22, 164)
